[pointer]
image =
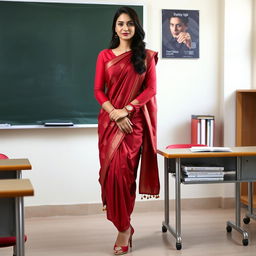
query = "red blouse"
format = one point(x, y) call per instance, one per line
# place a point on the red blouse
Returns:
point(99, 82)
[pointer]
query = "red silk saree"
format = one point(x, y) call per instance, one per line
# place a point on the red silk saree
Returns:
point(117, 81)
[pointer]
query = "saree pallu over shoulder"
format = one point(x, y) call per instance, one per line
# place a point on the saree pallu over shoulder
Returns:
point(123, 85)
point(149, 176)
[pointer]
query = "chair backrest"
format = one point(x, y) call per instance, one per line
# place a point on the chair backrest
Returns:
point(3, 156)
point(185, 145)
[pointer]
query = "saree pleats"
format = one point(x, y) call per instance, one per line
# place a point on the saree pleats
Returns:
point(121, 178)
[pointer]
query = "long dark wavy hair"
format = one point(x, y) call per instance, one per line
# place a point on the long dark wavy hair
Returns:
point(138, 45)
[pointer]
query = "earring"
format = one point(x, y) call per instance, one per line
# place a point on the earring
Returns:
point(116, 36)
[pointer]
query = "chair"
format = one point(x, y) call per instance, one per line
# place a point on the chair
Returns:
point(9, 240)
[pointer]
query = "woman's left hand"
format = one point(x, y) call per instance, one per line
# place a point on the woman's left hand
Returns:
point(125, 125)
point(117, 114)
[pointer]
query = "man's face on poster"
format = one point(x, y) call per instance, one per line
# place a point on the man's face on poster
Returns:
point(177, 26)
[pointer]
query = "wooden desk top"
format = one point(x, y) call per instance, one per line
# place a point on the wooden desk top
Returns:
point(186, 153)
point(14, 164)
point(16, 188)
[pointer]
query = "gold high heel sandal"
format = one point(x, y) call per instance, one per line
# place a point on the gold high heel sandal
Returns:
point(120, 250)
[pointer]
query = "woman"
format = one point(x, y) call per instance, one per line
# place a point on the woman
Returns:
point(125, 87)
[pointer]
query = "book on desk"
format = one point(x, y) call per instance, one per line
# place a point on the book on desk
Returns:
point(192, 172)
point(198, 173)
point(210, 149)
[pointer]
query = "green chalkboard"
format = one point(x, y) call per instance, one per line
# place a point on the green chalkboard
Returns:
point(48, 53)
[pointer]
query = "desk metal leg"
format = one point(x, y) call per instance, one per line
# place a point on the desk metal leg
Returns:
point(166, 196)
point(250, 198)
point(166, 226)
point(19, 212)
point(19, 249)
point(178, 206)
point(249, 215)
point(237, 225)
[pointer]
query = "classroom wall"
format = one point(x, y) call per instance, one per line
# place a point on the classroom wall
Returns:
point(65, 160)
point(237, 63)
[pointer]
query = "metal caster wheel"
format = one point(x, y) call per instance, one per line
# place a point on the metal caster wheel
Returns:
point(164, 229)
point(245, 242)
point(246, 220)
point(229, 229)
point(178, 246)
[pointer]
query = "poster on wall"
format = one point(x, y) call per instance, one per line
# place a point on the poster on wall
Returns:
point(180, 33)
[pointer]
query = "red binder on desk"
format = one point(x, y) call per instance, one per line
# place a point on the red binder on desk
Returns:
point(195, 131)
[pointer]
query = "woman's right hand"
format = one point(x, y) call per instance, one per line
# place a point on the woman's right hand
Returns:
point(125, 125)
